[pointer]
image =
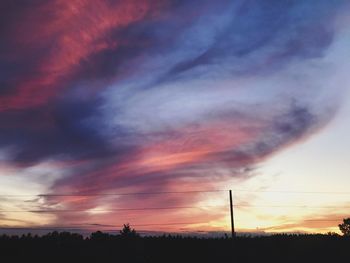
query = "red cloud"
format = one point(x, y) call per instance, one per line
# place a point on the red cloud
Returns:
point(65, 33)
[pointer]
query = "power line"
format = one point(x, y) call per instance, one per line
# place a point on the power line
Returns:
point(294, 206)
point(325, 220)
point(84, 227)
point(87, 228)
point(92, 210)
point(108, 194)
point(163, 208)
point(174, 192)
point(294, 192)
point(108, 210)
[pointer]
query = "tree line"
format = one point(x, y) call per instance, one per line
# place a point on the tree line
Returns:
point(129, 246)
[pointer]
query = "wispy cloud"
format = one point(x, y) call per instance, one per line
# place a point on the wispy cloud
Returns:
point(158, 95)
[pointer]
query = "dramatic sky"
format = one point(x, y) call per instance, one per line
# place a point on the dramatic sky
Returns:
point(151, 96)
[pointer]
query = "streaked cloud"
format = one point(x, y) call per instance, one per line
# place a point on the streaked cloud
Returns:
point(158, 95)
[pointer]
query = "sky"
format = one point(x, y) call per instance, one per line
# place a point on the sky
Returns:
point(179, 101)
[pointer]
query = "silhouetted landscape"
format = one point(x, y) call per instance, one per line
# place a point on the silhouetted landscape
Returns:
point(128, 246)
point(218, 129)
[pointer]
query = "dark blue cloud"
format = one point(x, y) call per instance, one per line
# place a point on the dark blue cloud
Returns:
point(61, 131)
point(269, 33)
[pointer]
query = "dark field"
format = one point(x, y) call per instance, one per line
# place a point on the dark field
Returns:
point(100, 247)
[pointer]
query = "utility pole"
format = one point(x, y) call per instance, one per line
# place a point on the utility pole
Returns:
point(232, 219)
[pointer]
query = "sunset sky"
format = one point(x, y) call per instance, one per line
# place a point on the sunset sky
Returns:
point(180, 101)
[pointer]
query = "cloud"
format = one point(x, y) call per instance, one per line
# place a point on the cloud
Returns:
point(150, 96)
point(315, 223)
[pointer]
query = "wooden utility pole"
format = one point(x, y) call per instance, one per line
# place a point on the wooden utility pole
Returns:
point(232, 220)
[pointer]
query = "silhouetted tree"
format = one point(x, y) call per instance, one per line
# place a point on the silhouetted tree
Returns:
point(128, 232)
point(332, 234)
point(345, 227)
point(103, 247)
point(99, 236)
